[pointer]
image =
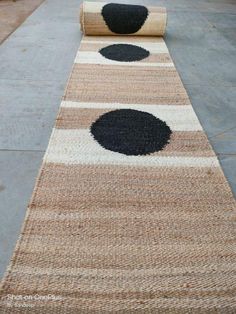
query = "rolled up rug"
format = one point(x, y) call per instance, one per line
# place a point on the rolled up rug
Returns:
point(131, 212)
point(99, 18)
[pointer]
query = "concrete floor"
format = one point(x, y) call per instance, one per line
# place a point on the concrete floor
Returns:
point(35, 64)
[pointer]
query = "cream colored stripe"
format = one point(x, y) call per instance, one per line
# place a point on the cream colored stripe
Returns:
point(93, 7)
point(153, 57)
point(122, 38)
point(91, 57)
point(79, 147)
point(155, 47)
point(105, 105)
point(178, 118)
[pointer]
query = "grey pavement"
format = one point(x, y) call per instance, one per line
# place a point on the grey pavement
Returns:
point(35, 64)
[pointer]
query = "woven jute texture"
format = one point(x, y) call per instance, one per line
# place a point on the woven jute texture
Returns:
point(92, 22)
point(116, 226)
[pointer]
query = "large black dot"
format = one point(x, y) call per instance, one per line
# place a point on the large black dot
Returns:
point(124, 18)
point(124, 52)
point(130, 132)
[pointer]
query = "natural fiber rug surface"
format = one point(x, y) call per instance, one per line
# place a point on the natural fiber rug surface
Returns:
point(131, 212)
point(99, 18)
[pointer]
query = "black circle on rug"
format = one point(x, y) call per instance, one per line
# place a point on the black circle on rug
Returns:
point(131, 132)
point(124, 18)
point(124, 52)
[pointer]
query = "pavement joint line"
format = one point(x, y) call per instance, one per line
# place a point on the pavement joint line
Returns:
point(22, 150)
point(196, 11)
point(221, 133)
point(29, 80)
point(210, 85)
point(226, 154)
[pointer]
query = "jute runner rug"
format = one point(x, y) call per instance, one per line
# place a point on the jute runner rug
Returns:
point(131, 212)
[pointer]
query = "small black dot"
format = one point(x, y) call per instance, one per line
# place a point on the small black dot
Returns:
point(124, 18)
point(124, 52)
point(131, 132)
